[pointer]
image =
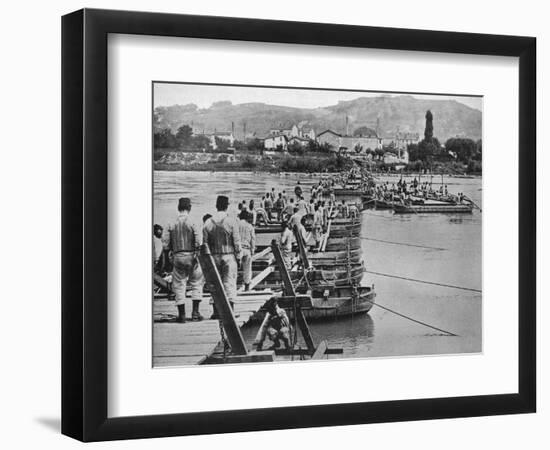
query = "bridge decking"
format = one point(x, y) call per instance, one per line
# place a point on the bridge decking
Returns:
point(178, 344)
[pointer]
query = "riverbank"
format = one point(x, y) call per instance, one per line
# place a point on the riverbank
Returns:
point(317, 162)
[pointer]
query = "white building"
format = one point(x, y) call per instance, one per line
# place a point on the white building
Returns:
point(275, 142)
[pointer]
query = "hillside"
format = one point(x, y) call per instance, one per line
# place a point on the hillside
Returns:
point(405, 112)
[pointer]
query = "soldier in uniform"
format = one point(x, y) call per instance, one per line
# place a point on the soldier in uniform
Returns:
point(248, 244)
point(221, 233)
point(286, 244)
point(275, 325)
point(184, 239)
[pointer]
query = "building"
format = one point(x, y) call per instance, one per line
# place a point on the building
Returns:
point(275, 142)
point(400, 140)
point(346, 143)
point(298, 140)
point(226, 136)
point(278, 131)
point(402, 157)
point(329, 137)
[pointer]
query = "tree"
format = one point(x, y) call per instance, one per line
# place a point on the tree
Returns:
point(429, 130)
point(379, 152)
point(164, 139)
point(295, 147)
point(313, 146)
point(465, 149)
point(201, 142)
point(254, 145)
point(478, 154)
point(358, 148)
point(428, 149)
point(183, 135)
point(221, 144)
point(325, 147)
point(414, 154)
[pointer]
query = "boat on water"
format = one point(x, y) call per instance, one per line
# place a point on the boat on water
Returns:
point(433, 208)
point(317, 277)
point(329, 302)
point(347, 191)
point(343, 243)
point(336, 227)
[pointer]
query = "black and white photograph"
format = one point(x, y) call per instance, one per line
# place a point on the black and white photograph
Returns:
point(294, 224)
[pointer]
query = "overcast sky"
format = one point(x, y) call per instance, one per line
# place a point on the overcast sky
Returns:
point(167, 94)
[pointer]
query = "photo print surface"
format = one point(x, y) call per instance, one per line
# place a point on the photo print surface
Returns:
point(295, 224)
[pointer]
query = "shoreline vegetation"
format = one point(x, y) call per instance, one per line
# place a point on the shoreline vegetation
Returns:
point(313, 163)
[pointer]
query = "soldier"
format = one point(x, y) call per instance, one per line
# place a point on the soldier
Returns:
point(248, 244)
point(286, 244)
point(317, 228)
point(184, 239)
point(158, 250)
point(221, 233)
point(275, 325)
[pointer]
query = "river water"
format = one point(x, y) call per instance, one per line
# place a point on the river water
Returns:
point(453, 257)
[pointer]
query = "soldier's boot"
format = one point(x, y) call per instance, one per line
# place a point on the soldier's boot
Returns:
point(215, 315)
point(247, 287)
point(181, 314)
point(233, 309)
point(196, 315)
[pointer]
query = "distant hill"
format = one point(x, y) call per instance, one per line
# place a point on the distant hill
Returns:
point(405, 112)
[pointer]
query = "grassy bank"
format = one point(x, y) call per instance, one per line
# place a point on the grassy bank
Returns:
point(308, 163)
point(284, 163)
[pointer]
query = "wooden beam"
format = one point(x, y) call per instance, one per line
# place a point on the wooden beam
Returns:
point(261, 254)
point(232, 330)
point(288, 287)
point(302, 301)
point(320, 351)
point(327, 234)
point(303, 351)
point(252, 357)
point(304, 328)
point(259, 278)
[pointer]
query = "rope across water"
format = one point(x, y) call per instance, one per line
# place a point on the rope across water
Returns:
point(423, 281)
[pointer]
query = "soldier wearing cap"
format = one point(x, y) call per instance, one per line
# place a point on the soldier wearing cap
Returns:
point(183, 241)
point(221, 233)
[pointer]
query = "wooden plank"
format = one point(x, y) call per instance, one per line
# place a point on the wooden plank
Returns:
point(252, 357)
point(258, 278)
point(266, 251)
point(288, 287)
point(232, 330)
point(302, 301)
point(304, 328)
point(320, 351)
point(174, 361)
point(305, 352)
point(184, 350)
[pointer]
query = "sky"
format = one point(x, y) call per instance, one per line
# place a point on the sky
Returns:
point(167, 94)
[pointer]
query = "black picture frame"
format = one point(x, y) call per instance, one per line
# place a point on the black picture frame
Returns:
point(84, 224)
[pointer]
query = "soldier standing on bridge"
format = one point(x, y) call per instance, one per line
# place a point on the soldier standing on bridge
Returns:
point(248, 244)
point(184, 239)
point(221, 233)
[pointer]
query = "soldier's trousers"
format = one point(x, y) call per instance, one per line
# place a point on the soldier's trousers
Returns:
point(246, 262)
point(227, 268)
point(187, 271)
